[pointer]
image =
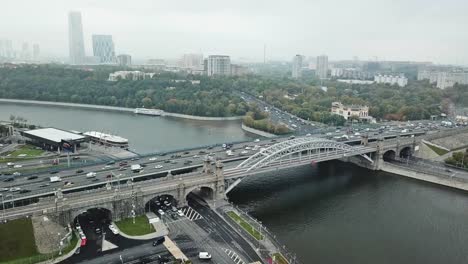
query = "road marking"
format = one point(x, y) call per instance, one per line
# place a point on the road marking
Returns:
point(233, 255)
point(191, 213)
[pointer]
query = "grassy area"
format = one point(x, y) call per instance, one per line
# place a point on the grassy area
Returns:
point(17, 240)
point(246, 226)
point(141, 226)
point(279, 259)
point(437, 150)
point(27, 150)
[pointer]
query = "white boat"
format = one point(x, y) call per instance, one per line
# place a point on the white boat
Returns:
point(146, 111)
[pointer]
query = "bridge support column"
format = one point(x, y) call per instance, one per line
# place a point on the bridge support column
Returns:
point(181, 194)
point(219, 190)
point(207, 166)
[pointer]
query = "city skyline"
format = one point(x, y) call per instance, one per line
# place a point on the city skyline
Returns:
point(166, 30)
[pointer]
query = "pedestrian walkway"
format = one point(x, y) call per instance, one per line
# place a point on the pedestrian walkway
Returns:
point(233, 255)
point(191, 214)
point(174, 249)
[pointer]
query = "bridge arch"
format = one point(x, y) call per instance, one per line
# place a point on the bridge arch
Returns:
point(406, 152)
point(299, 145)
point(205, 191)
point(389, 155)
point(103, 212)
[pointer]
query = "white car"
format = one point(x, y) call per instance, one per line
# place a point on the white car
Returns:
point(161, 212)
point(180, 213)
point(16, 173)
point(244, 152)
point(196, 156)
point(17, 166)
point(247, 148)
point(158, 167)
point(113, 229)
point(152, 159)
point(204, 255)
point(257, 140)
point(15, 189)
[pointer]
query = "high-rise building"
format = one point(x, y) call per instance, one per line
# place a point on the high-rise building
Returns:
point(321, 71)
point(297, 67)
point(36, 51)
point(25, 54)
point(75, 38)
point(124, 60)
point(103, 47)
point(219, 65)
point(192, 61)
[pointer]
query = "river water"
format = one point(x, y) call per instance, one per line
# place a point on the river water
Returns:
point(332, 212)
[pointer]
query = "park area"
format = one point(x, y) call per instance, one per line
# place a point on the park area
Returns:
point(21, 153)
point(246, 226)
point(139, 228)
point(17, 240)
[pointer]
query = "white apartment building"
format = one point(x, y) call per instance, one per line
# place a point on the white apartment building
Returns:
point(347, 111)
point(218, 65)
point(296, 70)
point(391, 79)
point(444, 79)
point(130, 75)
point(321, 71)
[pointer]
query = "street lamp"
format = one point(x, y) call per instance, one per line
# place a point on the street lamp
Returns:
point(3, 208)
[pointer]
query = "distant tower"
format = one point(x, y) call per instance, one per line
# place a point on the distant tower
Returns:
point(103, 48)
point(297, 67)
point(75, 38)
point(321, 71)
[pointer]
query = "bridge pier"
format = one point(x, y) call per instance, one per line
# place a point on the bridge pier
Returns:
point(220, 193)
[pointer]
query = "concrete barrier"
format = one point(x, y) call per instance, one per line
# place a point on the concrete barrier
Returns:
point(258, 132)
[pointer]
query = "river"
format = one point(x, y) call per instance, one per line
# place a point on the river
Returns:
point(330, 213)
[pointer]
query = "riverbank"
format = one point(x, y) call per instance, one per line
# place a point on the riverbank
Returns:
point(116, 109)
point(257, 132)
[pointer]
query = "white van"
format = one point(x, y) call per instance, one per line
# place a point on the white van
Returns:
point(204, 255)
point(90, 175)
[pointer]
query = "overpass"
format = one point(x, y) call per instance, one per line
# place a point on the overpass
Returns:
point(211, 177)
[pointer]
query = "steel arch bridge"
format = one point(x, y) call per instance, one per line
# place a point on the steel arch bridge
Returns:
point(272, 154)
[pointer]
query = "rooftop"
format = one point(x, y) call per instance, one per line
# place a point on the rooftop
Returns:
point(54, 134)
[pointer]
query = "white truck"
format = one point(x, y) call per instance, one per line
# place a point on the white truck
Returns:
point(55, 179)
point(136, 167)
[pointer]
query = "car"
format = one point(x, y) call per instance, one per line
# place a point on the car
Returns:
point(161, 212)
point(15, 189)
point(204, 255)
point(245, 152)
point(158, 241)
point(113, 229)
point(4, 189)
point(68, 184)
point(77, 251)
point(180, 213)
point(32, 177)
point(174, 209)
point(122, 169)
point(167, 203)
point(167, 161)
point(95, 179)
point(17, 166)
point(9, 179)
point(107, 167)
point(97, 230)
point(79, 171)
point(16, 173)
point(75, 158)
point(54, 172)
point(152, 159)
point(196, 156)
point(24, 191)
point(257, 140)
point(123, 163)
point(108, 176)
point(158, 167)
point(187, 152)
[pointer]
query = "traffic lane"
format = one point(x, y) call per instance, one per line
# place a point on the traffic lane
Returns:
point(225, 231)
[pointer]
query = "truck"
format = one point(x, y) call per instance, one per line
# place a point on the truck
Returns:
point(136, 167)
point(55, 179)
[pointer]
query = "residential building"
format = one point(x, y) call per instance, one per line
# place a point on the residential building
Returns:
point(351, 73)
point(391, 79)
point(219, 65)
point(192, 61)
point(321, 71)
point(296, 71)
point(130, 75)
point(238, 70)
point(124, 60)
point(444, 79)
point(75, 38)
point(347, 111)
point(103, 47)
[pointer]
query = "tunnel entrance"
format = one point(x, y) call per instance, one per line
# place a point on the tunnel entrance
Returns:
point(91, 225)
point(406, 153)
point(162, 205)
point(389, 155)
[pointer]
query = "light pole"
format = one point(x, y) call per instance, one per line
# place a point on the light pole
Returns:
point(3, 208)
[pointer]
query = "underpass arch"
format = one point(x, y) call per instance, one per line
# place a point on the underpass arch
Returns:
point(206, 192)
point(406, 152)
point(389, 155)
point(75, 213)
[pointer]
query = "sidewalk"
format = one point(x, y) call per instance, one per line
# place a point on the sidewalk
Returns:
point(63, 257)
point(174, 249)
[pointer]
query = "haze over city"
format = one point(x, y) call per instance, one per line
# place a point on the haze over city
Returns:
point(368, 29)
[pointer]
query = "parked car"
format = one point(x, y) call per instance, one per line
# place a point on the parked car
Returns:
point(113, 229)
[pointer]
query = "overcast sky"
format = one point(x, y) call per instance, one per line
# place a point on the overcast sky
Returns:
point(422, 30)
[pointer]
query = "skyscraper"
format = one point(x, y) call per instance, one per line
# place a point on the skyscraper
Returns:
point(36, 51)
point(192, 61)
point(297, 67)
point(103, 48)
point(124, 60)
point(219, 65)
point(321, 70)
point(75, 38)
